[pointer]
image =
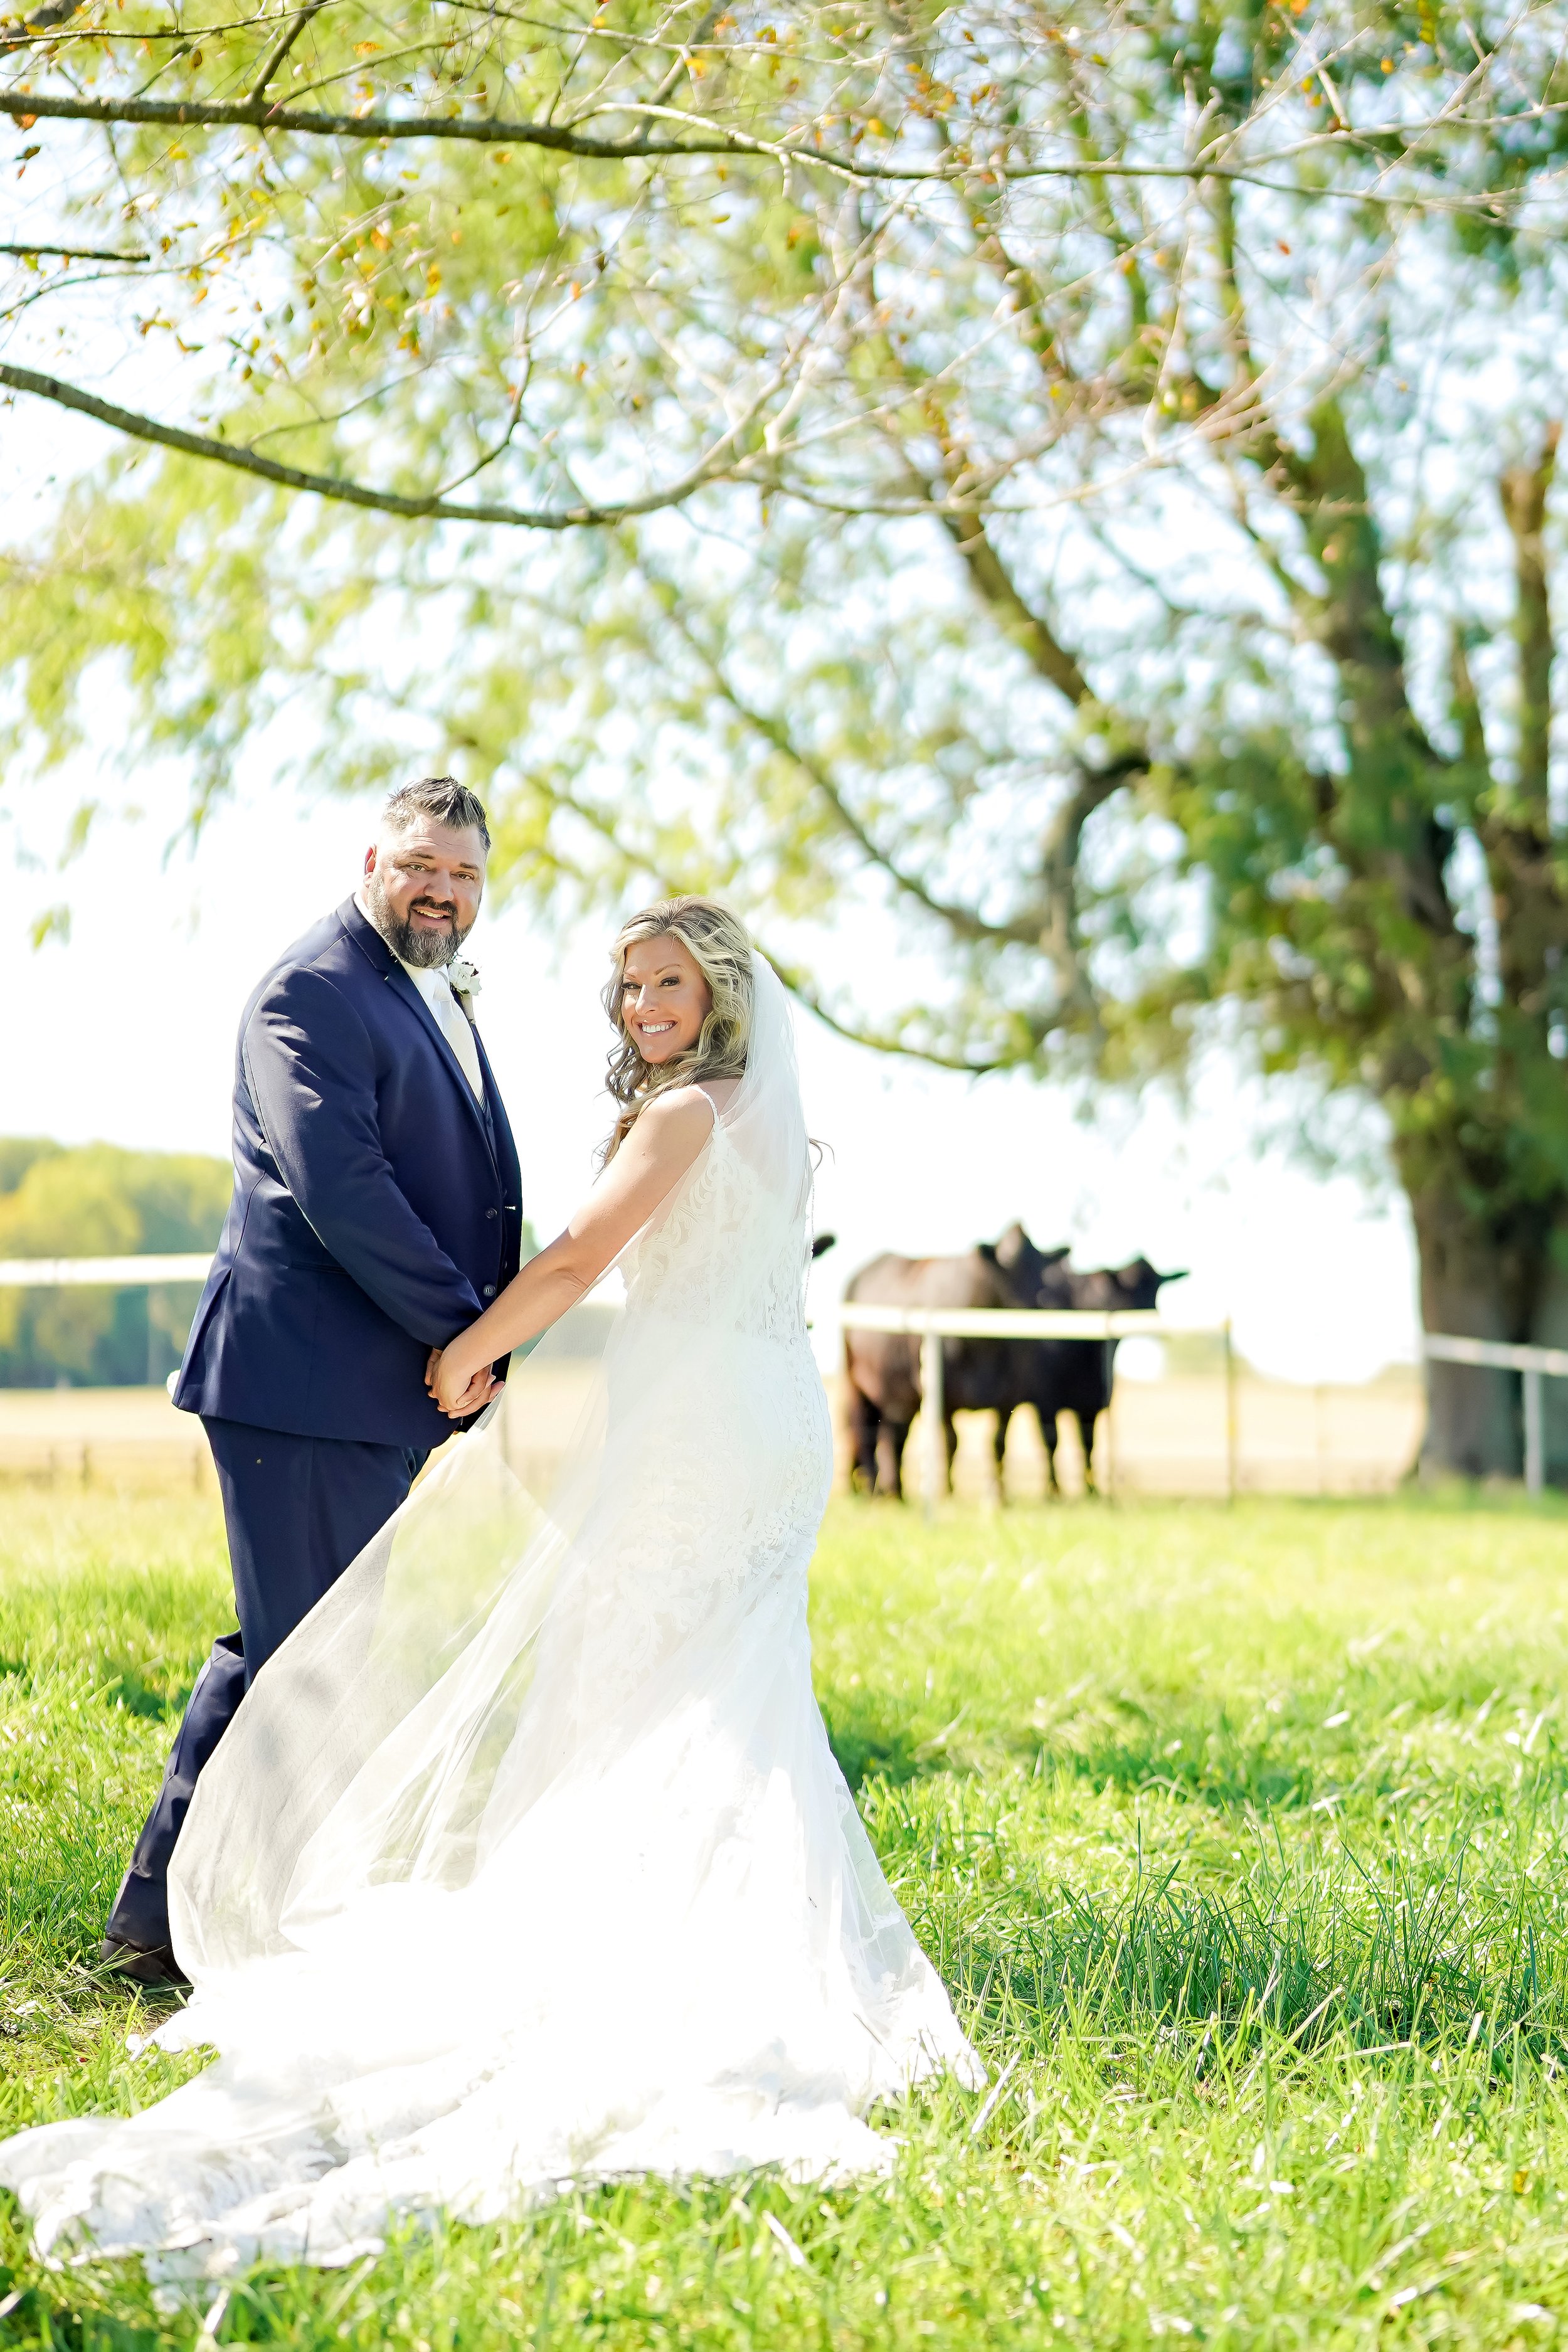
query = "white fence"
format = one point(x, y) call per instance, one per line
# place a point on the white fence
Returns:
point(1498, 1355)
point(931, 1325)
point(121, 1272)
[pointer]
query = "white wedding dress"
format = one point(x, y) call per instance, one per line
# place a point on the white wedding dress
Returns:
point(526, 1861)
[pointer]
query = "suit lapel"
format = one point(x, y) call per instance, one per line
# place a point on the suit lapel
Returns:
point(398, 979)
point(371, 944)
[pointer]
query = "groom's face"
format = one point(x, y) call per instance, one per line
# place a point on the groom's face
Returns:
point(424, 886)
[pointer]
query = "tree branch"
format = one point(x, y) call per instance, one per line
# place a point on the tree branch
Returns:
point(1060, 939)
point(1384, 824)
point(280, 48)
point(72, 253)
point(1029, 631)
point(963, 921)
point(255, 113)
point(1515, 821)
point(360, 494)
point(882, 1041)
point(1057, 936)
point(1524, 491)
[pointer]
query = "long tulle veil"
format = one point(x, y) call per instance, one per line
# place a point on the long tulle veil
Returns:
point(380, 1748)
point(526, 1859)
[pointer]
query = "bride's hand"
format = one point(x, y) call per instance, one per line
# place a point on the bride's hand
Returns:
point(459, 1396)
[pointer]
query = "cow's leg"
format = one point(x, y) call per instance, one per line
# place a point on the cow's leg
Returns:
point(890, 1457)
point(1085, 1425)
point(949, 1450)
point(1047, 1422)
point(1003, 1416)
point(865, 1421)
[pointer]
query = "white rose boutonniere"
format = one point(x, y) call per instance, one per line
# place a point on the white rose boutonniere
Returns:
point(462, 977)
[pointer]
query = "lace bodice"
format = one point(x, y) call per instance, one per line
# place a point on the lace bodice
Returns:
point(727, 1250)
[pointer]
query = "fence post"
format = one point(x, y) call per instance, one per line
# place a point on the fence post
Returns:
point(1109, 1422)
point(1230, 1429)
point(933, 1415)
point(1534, 1447)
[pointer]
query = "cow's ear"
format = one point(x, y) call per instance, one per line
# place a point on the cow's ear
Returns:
point(1055, 1257)
point(987, 1250)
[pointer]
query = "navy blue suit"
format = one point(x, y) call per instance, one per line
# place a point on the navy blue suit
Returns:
point(376, 1209)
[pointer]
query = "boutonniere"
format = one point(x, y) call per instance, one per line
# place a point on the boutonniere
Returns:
point(463, 979)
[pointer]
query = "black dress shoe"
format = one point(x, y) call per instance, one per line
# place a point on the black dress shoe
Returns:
point(157, 1968)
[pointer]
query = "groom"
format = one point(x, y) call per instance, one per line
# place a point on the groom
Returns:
point(376, 1212)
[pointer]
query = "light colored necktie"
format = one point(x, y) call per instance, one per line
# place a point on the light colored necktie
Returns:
point(454, 1025)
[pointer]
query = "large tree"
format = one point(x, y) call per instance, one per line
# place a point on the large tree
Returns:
point(1067, 490)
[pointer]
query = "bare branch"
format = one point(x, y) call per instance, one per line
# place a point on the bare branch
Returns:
point(1524, 491)
point(1060, 938)
point(963, 921)
point(1029, 631)
point(251, 114)
point(360, 494)
point(882, 1041)
point(72, 253)
point(280, 48)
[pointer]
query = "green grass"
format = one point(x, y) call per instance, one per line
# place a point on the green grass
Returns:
point(1238, 1836)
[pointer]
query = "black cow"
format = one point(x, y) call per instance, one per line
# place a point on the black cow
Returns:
point(1054, 1376)
point(978, 1375)
point(1074, 1375)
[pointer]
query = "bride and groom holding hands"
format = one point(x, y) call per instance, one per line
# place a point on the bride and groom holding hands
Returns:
point(545, 1749)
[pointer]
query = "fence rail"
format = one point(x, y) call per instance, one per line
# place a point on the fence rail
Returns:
point(1502, 1356)
point(118, 1273)
point(932, 1325)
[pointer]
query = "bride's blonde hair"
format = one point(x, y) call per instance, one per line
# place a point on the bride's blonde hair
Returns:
point(718, 945)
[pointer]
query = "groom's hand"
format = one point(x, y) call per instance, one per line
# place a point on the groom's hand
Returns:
point(473, 1399)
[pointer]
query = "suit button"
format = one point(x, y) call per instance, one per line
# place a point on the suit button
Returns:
point(489, 1290)
point(492, 1213)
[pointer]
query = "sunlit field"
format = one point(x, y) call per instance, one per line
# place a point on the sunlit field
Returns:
point(1237, 1834)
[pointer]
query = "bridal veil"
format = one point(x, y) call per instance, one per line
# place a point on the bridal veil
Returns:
point(526, 1860)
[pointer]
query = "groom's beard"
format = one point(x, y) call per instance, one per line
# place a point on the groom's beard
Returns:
point(424, 949)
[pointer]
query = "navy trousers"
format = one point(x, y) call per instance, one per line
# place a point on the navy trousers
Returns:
point(298, 1510)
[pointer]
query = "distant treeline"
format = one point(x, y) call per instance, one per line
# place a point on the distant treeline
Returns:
point(93, 1200)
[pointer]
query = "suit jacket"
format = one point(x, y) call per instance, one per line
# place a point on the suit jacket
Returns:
point(376, 1205)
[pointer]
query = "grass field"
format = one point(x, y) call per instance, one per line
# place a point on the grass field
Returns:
point(1237, 1834)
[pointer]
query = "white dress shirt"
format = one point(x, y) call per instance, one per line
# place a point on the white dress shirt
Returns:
point(451, 1018)
point(454, 1024)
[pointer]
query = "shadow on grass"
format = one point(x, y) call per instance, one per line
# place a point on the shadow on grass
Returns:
point(126, 1686)
point(872, 1735)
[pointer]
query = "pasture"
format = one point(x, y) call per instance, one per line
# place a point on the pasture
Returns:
point(1238, 1835)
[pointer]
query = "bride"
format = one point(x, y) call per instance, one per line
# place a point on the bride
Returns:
point(526, 1861)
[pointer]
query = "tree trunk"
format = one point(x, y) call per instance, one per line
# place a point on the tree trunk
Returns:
point(1477, 1283)
point(1549, 1329)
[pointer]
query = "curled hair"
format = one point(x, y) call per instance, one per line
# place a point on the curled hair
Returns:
point(718, 945)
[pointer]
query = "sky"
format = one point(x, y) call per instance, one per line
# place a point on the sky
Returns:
point(126, 1033)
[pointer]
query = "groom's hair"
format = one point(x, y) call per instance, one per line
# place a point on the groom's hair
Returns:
point(441, 797)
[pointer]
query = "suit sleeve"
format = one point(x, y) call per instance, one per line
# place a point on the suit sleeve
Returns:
point(311, 1068)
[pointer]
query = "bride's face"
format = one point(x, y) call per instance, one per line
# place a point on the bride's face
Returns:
point(664, 998)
